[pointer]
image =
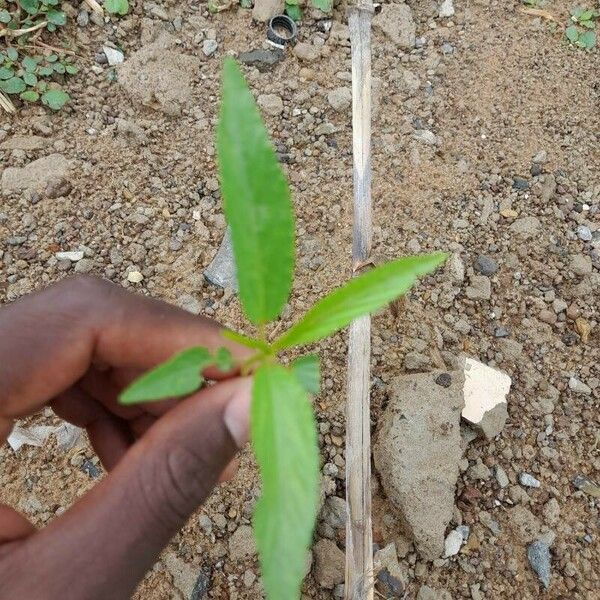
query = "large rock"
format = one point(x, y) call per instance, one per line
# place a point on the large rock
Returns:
point(159, 76)
point(266, 9)
point(417, 453)
point(36, 175)
point(396, 22)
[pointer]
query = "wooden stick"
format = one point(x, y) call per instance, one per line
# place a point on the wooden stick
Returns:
point(359, 538)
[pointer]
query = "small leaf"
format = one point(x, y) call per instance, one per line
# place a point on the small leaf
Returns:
point(29, 64)
point(6, 73)
point(577, 12)
point(245, 340)
point(307, 370)
point(256, 201)
point(117, 7)
point(223, 360)
point(51, 58)
point(179, 376)
point(30, 6)
point(360, 296)
point(285, 444)
point(5, 16)
point(30, 79)
point(55, 98)
point(586, 15)
point(12, 54)
point(587, 39)
point(325, 6)
point(246, 3)
point(572, 33)
point(45, 71)
point(71, 69)
point(14, 85)
point(29, 96)
point(57, 17)
point(59, 68)
point(293, 11)
point(51, 27)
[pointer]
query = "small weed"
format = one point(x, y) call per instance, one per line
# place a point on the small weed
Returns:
point(117, 7)
point(582, 32)
point(292, 9)
point(32, 77)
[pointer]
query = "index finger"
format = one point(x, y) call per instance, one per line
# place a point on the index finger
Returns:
point(49, 339)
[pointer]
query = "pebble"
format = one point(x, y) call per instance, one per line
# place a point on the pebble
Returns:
point(446, 9)
point(529, 480)
point(272, 104)
point(501, 476)
point(306, 52)
point(340, 99)
point(538, 554)
point(541, 157)
point(526, 226)
point(485, 265)
point(425, 136)
point(263, 60)
point(454, 540)
point(480, 288)
point(520, 183)
point(73, 256)
point(581, 265)
point(584, 233)
point(209, 47)
point(85, 265)
point(330, 563)
point(577, 386)
point(113, 56)
point(83, 18)
point(134, 277)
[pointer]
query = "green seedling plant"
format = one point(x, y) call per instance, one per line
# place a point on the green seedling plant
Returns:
point(30, 76)
point(258, 208)
point(117, 7)
point(582, 32)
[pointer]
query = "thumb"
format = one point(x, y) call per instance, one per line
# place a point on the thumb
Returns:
point(102, 547)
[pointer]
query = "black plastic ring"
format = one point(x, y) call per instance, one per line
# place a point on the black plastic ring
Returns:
point(282, 22)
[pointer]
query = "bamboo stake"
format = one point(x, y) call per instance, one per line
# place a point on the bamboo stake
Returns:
point(359, 539)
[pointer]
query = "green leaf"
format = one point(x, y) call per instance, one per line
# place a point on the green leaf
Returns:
point(117, 7)
point(71, 69)
point(12, 54)
point(577, 12)
point(55, 99)
point(51, 27)
point(325, 6)
point(285, 444)
point(59, 68)
point(14, 85)
point(246, 3)
point(29, 64)
point(360, 296)
point(51, 58)
point(256, 201)
point(293, 11)
point(29, 96)
point(45, 71)
point(307, 370)
point(30, 6)
point(586, 15)
point(179, 376)
point(245, 340)
point(572, 33)
point(30, 79)
point(587, 40)
point(223, 360)
point(57, 17)
point(6, 73)
point(5, 16)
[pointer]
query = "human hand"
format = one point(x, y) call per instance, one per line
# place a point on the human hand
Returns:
point(73, 347)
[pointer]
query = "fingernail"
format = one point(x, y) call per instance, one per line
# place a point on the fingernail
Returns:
point(237, 413)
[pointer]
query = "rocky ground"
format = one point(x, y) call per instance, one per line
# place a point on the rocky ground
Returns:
point(486, 140)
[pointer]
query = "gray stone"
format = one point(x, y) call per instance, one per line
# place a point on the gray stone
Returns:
point(184, 575)
point(454, 540)
point(189, 303)
point(446, 9)
point(455, 268)
point(266, 9)
point(391, 579)
point(306, 52)
point(526, 226)
point(501, 476)
point(209, 47)
point(479, 471)
point(396, 22)
point(417, 453)
point(272, 104)
point(486, 519)
point(540, 158)
point(425, 136)
point(551, 511)
point(480, 288)
point(330, 564)
point(113, 56)
point(584, 233)
point(85, 265)
point(241, 543)
point(538, 554)
point(485, 265)
point(528, 480)
point(26, 143)
point(581, 265)
point(221, 271)
point(83, 18)
point(415, 361)
point(577, 386)
point(263, 60)
point(334, 512)
point(36, 175)
point(340, 98)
